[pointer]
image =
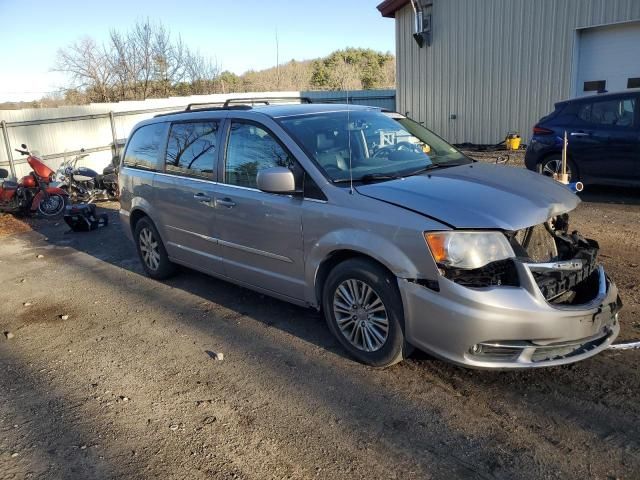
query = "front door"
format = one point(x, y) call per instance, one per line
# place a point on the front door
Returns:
point(260, 234)
point(185, 192)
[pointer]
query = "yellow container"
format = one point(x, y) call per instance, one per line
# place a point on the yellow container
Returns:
point(512, 142)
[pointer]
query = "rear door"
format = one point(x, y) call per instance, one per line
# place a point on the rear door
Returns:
point(260, 234)
point(185, 193)
point(604, 139)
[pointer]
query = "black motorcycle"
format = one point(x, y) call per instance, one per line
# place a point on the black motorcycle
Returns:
point(87, 185)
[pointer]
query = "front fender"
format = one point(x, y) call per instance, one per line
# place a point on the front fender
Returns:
point(35, 203)
point(56, 190)
point(362, 242)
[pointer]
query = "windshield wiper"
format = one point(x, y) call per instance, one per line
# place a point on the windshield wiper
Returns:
point(374, 177)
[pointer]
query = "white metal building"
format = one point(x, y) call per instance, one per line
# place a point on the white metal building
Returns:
point(473, 70)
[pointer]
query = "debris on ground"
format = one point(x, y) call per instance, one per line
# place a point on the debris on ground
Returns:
point(215, 355)
point(39, 256)
point(10, 225)
point(26, 304)
point(64, 317)
point(9, 335)
point(625, 346)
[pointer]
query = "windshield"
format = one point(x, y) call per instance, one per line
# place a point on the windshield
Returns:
point(370, 143)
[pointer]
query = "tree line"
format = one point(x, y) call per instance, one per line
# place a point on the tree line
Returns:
point(147, 61)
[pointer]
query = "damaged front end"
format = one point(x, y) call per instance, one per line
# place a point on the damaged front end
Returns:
point(560, 273)
point(564, 265)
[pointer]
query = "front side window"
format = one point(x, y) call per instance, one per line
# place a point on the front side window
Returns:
point(369, 145)
point(614, 113)
point(191, 150)
point(250, 149)
point(144, 147)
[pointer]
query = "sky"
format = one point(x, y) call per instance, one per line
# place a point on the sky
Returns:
point(239, 34)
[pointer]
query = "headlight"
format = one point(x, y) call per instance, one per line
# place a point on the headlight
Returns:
point(468, 250)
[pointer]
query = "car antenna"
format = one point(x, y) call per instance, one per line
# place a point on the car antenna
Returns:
point(349, 140)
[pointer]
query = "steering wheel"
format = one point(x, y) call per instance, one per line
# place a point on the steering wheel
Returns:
point(397, 147)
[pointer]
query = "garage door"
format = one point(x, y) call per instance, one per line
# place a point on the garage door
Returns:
point(608, 58)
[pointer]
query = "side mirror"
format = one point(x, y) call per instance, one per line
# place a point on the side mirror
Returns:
point(276, 180)
point(24, 146)
point(3, 173)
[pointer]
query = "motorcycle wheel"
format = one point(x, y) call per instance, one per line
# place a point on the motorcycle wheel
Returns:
point(53, 206)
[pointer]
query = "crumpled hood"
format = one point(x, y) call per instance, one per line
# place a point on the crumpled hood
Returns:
point(478, 196)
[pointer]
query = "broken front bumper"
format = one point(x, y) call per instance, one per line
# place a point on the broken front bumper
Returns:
point(506, 327)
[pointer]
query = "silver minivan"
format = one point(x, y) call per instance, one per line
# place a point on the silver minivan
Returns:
point(397, 237)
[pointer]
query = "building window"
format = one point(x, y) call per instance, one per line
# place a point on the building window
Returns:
point(633, 82)
point(595, 86)
point(422, 10)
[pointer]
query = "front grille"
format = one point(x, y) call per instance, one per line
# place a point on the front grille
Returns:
point(501, 272)
point(550, 242)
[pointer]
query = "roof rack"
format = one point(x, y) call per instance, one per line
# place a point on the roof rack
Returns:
point(263, 100)
point(216, 106)
point(240, 104)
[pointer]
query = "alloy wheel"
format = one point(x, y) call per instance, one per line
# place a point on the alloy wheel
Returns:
point(361, 315)
point(552, 167)
point(149, 248)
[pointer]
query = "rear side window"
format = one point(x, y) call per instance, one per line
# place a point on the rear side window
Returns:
point(191, 151)
point(250, 149)
point(613, 113)
point(144, 147)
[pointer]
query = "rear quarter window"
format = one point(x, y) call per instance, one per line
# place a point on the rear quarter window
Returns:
point(143, 150)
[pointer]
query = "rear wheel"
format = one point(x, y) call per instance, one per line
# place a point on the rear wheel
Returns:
point(363, 308)
point(553, 165)
point(153, 255)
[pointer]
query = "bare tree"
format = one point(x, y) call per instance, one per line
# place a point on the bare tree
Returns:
point(89, 67)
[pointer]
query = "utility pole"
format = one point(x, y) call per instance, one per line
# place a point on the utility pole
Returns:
point(277, 60)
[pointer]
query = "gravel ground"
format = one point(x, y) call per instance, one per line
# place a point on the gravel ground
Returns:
point(109, 374)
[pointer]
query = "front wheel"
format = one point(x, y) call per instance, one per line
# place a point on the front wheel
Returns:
point(363, 308)
point(52, 206)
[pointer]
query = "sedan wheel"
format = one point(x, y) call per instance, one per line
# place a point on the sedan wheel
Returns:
point(553, 166)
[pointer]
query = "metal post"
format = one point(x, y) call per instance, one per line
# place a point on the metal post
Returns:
point(7, 145)
point(114, 135)
point(564, 178)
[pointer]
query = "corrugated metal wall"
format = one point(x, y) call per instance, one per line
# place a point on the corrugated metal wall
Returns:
point(69, 136)
point(498, 65)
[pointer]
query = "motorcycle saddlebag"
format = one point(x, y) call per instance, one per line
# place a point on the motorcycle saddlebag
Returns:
point(83, 217)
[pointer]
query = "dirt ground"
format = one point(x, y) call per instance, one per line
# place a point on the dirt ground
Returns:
point(112, 375)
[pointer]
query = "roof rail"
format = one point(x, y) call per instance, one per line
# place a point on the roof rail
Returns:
point(263, 100)
point(191, 105)
point(241, 104)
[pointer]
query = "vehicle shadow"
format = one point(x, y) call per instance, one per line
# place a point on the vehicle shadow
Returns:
point(565, 403)
point(50, 437)
point(614, 195)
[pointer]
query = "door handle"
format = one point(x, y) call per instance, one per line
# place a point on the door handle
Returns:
point(201, 197)
point(225, 202)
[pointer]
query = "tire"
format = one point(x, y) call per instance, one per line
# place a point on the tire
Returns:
point(156, 262)
point(361, 329)
point(553, 164)
point(53, 206)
